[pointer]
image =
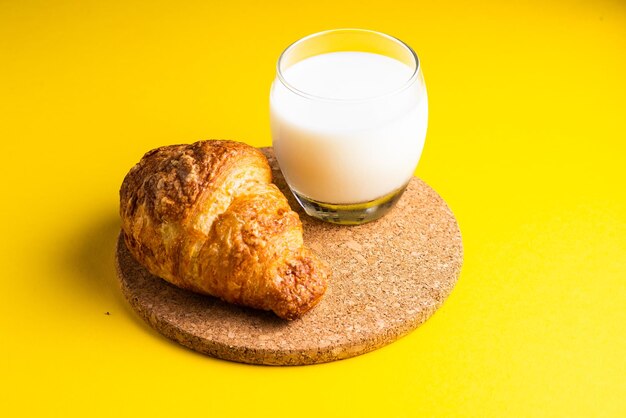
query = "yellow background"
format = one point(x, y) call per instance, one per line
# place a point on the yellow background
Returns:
point(526, 143)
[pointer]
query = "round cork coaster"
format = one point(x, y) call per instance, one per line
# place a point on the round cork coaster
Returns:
point(388, 277)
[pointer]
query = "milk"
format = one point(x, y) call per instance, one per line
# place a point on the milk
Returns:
point(355, 129)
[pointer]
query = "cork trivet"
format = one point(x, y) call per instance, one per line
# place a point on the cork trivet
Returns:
point(388, 277)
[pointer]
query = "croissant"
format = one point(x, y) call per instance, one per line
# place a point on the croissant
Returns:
point(206, 217)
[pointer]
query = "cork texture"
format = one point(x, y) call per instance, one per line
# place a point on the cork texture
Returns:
point(388, 277)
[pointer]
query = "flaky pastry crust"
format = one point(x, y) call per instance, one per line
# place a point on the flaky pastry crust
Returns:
point(206, 217)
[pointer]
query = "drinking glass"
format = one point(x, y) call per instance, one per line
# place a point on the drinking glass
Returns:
point(348, 113)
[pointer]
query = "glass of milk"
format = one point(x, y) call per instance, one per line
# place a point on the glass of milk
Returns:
point(349, 113)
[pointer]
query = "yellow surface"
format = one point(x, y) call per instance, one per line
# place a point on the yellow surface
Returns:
point(526, 142)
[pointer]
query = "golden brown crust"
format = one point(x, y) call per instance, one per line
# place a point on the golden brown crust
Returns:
point(206, 217)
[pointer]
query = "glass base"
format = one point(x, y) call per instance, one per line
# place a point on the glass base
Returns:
point(349, 214)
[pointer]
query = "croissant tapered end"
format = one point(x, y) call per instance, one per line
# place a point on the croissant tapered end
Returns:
point(206, 217)
point(300, 285)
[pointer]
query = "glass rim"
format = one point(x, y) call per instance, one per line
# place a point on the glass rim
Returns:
point(409, 82)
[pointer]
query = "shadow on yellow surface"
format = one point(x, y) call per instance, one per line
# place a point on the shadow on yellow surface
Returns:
point(89, 259)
